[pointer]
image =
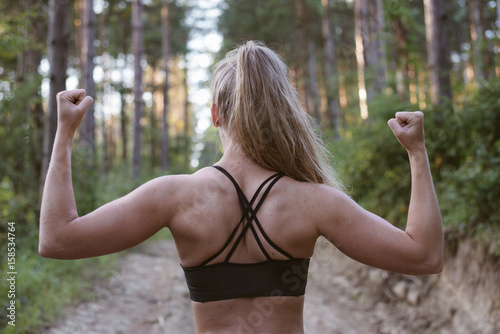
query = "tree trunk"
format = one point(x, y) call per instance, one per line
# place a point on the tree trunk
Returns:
point(476, 40)
point(27, 62)
point(187, 121)
point(313, 80)
point(87, 128)
point(111, 140)
point(498, 15)
point(123, 125)
point(300, 48)
point(165, 142)
point(123, 110)
point(137, 45)
point(382, 54)
point(401, 59)
point(107, 124)
point(372, 48)
point(412, 84)
point(58, 45)
point(152, 117)
point(29, 59)
point(437, 51)
point(360, 57)
point(497, 45)
point(423, 82)
point(331, 81)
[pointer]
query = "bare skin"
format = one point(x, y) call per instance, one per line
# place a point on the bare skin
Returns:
point(202, 209)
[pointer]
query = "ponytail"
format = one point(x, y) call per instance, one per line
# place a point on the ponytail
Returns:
point(262, 112)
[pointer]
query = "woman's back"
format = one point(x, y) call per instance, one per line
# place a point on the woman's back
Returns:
point(203, 228)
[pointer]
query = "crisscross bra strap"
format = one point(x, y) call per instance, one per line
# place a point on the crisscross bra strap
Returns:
point(250, 215)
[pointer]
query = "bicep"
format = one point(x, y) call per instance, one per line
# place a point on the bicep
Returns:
point(368, 238)
point(120, 224)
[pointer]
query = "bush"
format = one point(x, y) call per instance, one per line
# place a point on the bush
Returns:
point(464, 150)
point(375, 164)
point(45, 287)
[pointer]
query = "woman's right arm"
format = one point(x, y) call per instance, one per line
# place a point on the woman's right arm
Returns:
point(113, 227)
point(372, 240)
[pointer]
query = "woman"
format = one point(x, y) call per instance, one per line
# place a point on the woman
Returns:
point(246, 228)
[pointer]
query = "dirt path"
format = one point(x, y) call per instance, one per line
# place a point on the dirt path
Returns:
point(148, 295)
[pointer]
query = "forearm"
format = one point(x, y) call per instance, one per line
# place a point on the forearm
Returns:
point(424, 217)
point(58, 202)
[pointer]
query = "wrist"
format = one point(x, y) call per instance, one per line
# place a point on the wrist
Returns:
point(418, 155)
point(64, 135)
point(417, 150)
point(63, 144)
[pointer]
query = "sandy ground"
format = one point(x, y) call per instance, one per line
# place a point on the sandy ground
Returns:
point(147, 294)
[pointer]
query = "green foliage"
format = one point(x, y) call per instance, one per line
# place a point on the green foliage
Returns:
point(17, 31)
point(210, 149)
point(466, 148)
point(375, 164)
point(464, 151)
point(20, 133)
point(119, 14)
point(44, 287)
point(178, 30)
point(21, 137)
point(85, 177)
point(115, 184)
point(268, 21)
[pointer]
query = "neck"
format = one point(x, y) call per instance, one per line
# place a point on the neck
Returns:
point(234, 158)
point(234, 155)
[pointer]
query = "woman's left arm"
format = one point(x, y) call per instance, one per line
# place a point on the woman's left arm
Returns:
point(115, 226)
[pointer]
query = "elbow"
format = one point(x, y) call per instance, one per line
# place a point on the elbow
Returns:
point(436, 261)
point(46, 250)
point(43, 251)
point(53, 244)
point(50, 250)
point(426, 262)
point(433, 265)
point(437, 266)
point(57, 250)
point(52, 253)
point(433, 269)
point(45, 246)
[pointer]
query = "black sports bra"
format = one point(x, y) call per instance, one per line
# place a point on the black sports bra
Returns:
point(228, 280)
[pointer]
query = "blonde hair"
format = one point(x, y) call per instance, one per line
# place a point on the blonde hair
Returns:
point(261, 110)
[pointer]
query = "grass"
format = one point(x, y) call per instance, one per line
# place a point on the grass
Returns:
point(45, 287)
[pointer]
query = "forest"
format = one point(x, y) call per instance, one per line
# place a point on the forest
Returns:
point(147, 64)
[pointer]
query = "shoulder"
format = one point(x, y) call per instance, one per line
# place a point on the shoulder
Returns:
point(186, 194)
point(180, 183)
point(315, 200)
point(333, 200)
point(324, 204)
point(169, 194)
point(314, 194)
point(314, 209)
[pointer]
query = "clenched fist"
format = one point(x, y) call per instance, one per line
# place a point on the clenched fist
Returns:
point(71, 107)
point(408, 127)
